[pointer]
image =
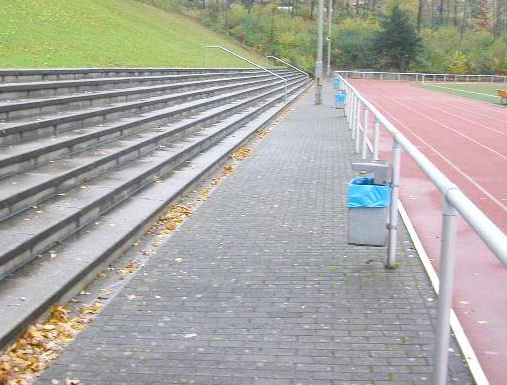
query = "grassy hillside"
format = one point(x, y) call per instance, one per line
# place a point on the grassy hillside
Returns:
point(98, 33)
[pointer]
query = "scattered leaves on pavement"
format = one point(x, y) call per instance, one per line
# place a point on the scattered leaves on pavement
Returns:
point(127, 270)
point(241, 154)
point(43, 342)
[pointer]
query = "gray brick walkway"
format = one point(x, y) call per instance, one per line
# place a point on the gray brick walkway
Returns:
point(268, 292)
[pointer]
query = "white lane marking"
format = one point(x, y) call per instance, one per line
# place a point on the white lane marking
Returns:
point(463, 342)
point(477, 185)
point(467, 120)
point(448, 127)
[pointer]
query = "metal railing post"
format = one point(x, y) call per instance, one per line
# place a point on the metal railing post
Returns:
point(392, 225)
point(447, 259)
point(357, 116)
point(365, 134)
point(376, 135)
point(352, 108)
point(357, 130)
point(352, 103)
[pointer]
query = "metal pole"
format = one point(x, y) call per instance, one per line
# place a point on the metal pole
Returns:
point(355, 129)
point(376, 139)
point(318, 64)
point(330, 14)
point(393, 211)
point(352, 108)
point(447, 259)
point(365, 134)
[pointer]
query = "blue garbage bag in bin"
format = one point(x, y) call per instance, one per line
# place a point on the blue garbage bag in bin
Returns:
point(364, 194)
point(339, 99)
point(336, 83)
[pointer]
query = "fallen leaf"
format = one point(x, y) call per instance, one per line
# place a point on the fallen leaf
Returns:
point(131, 296)
point(240, 154)
point(178, 259)
point(190, 335)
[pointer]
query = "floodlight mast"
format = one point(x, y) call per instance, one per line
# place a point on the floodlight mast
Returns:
point(318, 64)
point(330, 17)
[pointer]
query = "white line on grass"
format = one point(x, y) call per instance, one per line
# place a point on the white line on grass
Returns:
point(469, 92)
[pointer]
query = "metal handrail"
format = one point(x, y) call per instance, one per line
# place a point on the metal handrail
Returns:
point(492, 236)
point(248, 61)
point(420, 76)
point(455, 202)
point(288, 64)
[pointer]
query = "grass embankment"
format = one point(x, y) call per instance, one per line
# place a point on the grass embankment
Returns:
point(105, 33)
point(484, 92)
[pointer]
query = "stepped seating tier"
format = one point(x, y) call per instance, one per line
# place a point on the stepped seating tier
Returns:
point(84, 174)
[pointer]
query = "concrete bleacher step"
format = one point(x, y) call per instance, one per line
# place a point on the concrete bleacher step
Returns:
point(22, 190)
point(9, 111)
point(55, 74)
point(12, 132)
point(42, 89)
point(50, 222)
point(88, 203)
point(28, 154)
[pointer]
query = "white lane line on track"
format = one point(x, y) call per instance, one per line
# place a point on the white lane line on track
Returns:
point(392, 118)
point(465, 119)
point(448, 127)
point(463, 342)
point(459, 107)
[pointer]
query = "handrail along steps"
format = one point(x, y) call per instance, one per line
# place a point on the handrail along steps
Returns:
point(245, 59)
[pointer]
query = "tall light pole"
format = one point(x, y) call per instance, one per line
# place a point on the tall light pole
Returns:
point(318, 64)
point(329, 14)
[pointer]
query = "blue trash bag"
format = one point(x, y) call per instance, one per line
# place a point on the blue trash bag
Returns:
point(336, 83)
point(339, 97)
point(364, 194)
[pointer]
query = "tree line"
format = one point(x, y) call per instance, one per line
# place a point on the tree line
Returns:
point(458, 36)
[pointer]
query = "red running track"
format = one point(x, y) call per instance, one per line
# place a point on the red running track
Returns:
point(467, 141)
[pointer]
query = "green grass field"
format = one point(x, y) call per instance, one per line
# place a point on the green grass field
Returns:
point(485, 92)
point(105, 33)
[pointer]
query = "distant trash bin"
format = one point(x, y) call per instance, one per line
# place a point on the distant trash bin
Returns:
point(336, 83)
point(368, 206)
point(339, 99)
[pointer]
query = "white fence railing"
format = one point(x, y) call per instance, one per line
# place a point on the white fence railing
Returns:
point(421, 77)
point(359, 112)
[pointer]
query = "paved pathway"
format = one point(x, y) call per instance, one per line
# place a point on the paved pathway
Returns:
point(267, 291)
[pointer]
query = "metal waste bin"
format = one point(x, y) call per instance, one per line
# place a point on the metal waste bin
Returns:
point(339, 99)
point(368, 205)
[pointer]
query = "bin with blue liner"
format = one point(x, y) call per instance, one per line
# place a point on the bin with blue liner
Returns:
point(336, 83)
point(368, 206)
point(339, 99)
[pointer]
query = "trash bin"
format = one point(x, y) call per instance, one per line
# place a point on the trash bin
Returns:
point(368, 206)
point(336, 83)
point(339, 99)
